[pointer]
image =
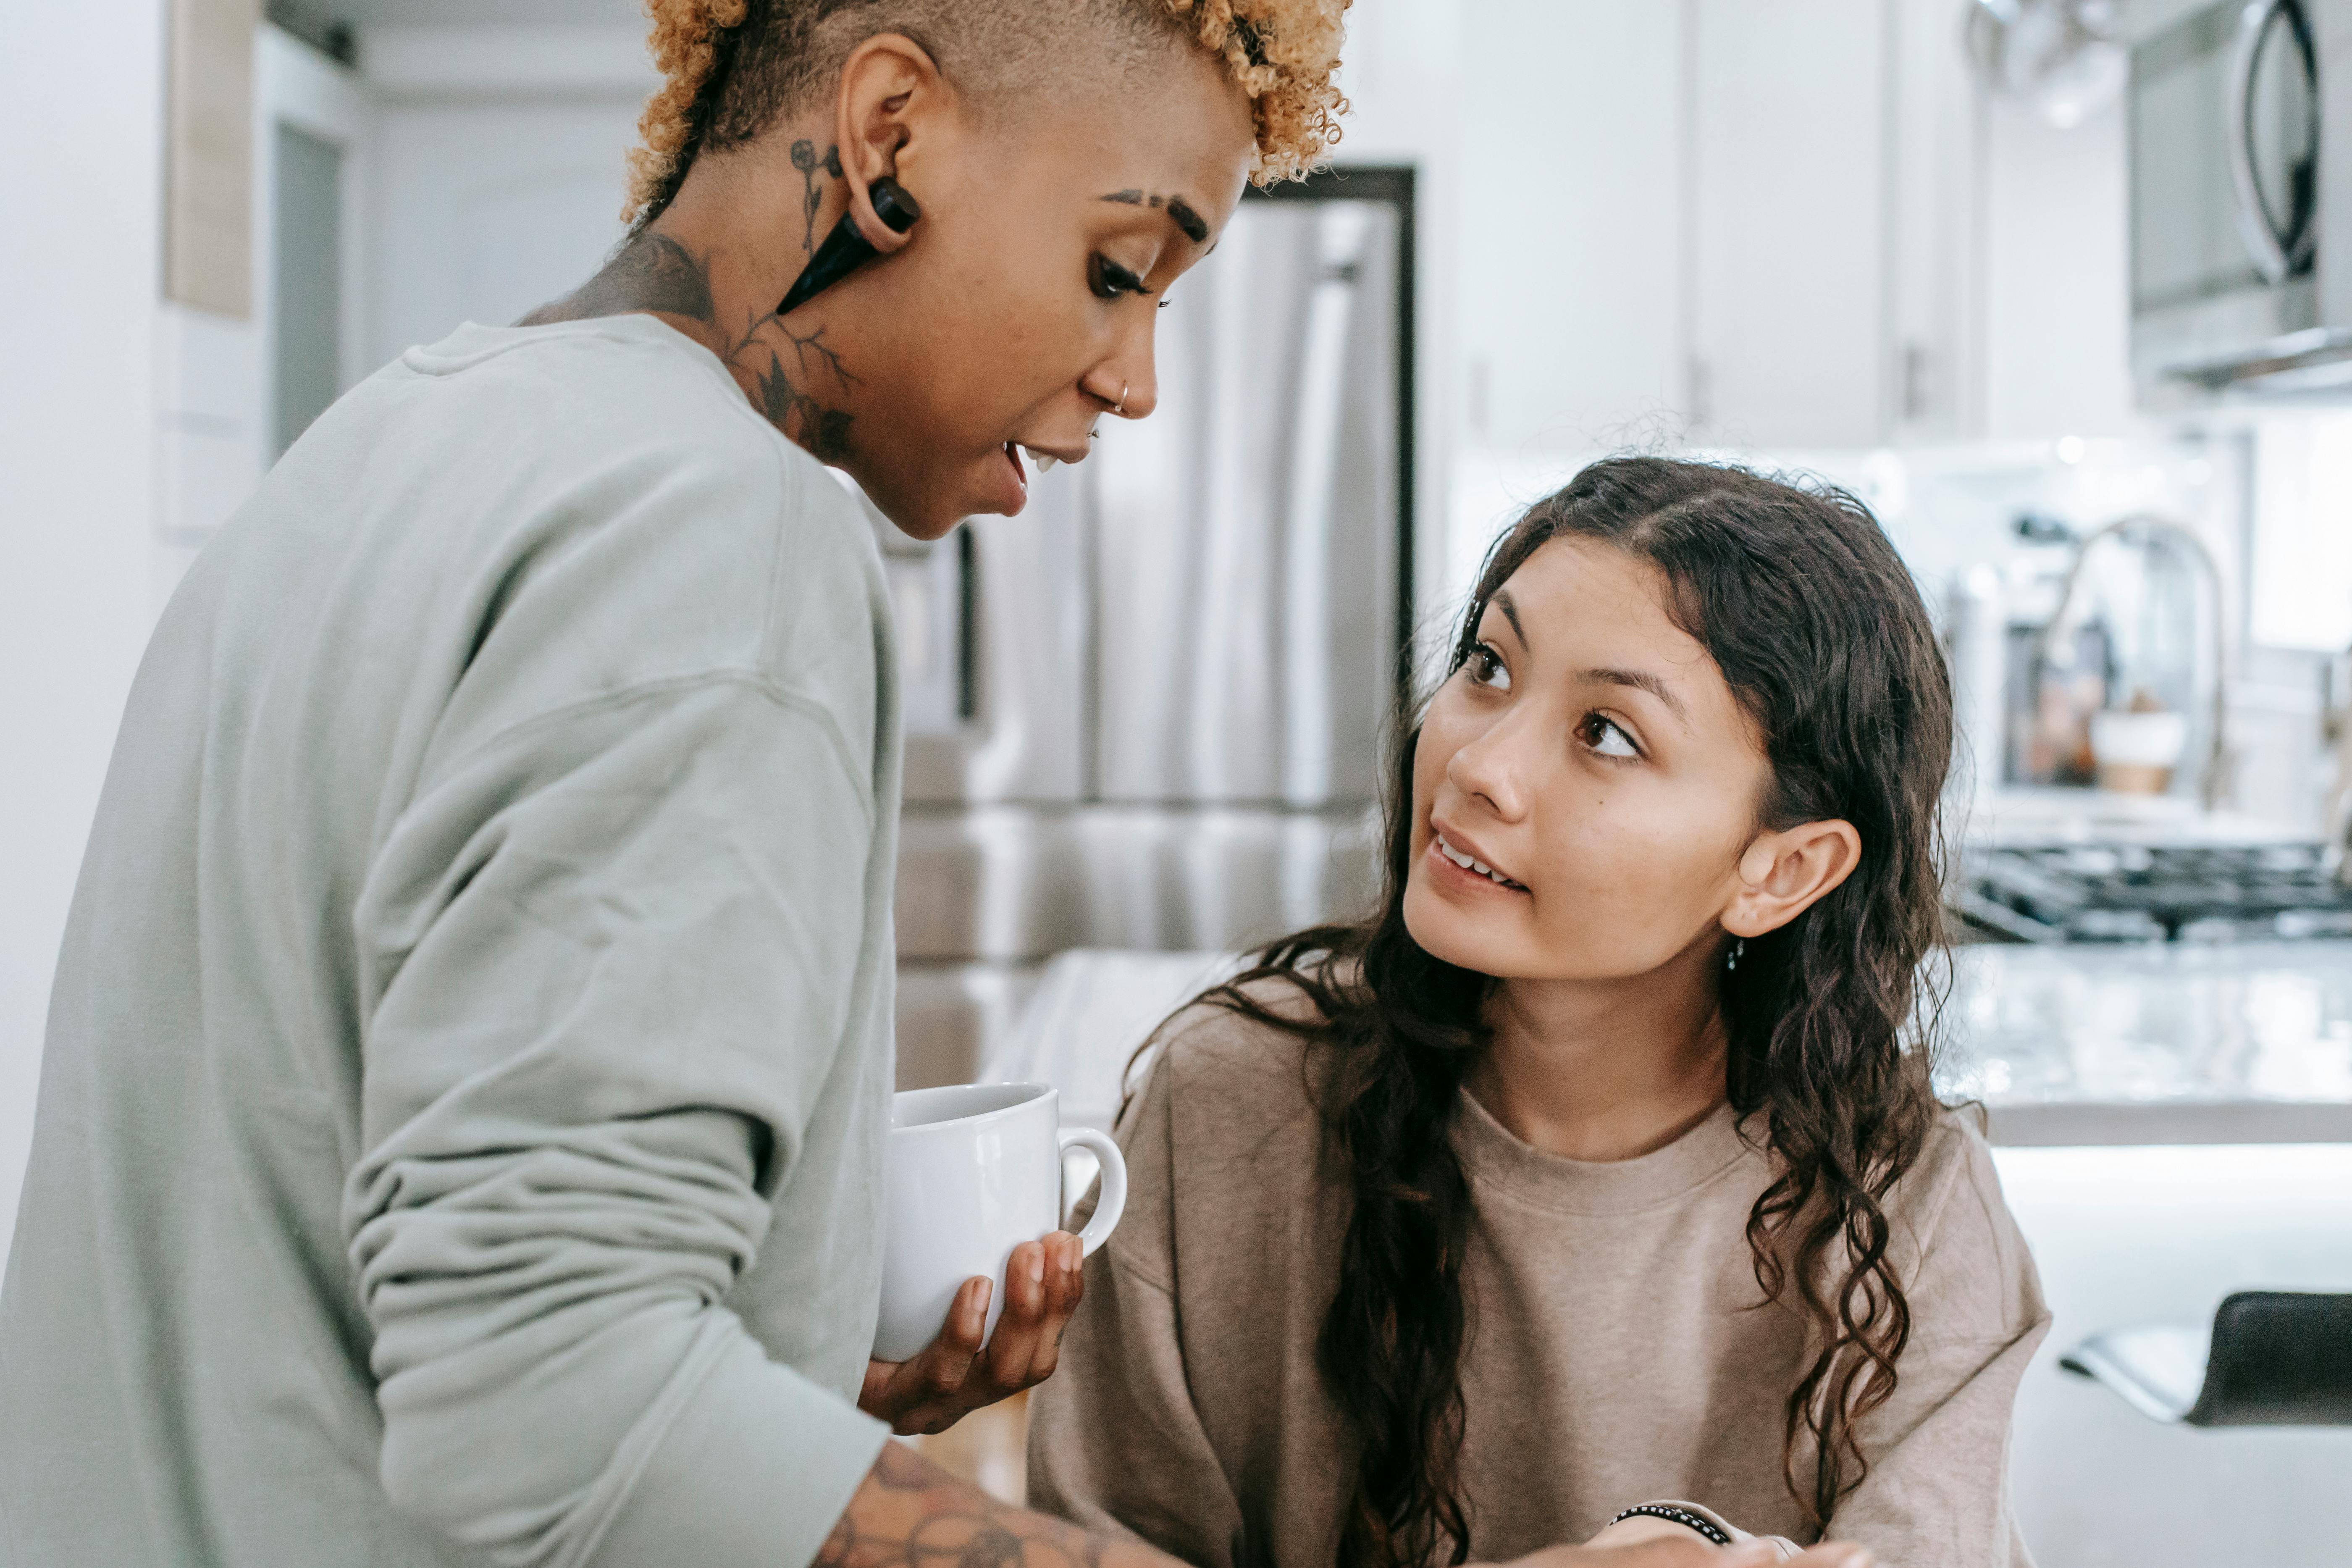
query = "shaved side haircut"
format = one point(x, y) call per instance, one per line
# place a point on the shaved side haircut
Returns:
point(731, 69)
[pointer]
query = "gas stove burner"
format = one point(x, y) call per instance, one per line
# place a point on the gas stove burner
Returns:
point(2137, 892)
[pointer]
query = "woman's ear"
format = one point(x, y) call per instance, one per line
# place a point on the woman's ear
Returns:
point(1784, 874)
point(893, 101)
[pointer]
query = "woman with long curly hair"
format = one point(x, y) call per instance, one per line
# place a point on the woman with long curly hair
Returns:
point(1601, 1168)
point(468, 1071)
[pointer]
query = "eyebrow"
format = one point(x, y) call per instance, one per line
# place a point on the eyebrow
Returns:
point(1638, 680)
point(1511, 614)
point(1180, 212)
point(1642, 681)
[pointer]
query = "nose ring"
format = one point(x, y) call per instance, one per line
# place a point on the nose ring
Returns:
point(1120, 407)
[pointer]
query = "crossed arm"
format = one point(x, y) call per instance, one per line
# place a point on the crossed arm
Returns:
point(911, 1513)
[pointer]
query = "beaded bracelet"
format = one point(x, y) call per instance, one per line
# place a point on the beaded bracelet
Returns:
point(1674, 1515)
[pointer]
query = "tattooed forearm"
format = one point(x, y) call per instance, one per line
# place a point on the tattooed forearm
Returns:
point(652, 272)
point(805, 159)
point(913, 1514)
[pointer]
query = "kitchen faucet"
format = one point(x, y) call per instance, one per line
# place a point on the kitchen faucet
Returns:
point(2214, 778)
point(2336, 733)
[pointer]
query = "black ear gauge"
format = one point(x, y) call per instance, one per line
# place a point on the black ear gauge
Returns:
point(844, 249)
point(893, 204)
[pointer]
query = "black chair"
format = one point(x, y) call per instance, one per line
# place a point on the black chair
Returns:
point(2272, 1358)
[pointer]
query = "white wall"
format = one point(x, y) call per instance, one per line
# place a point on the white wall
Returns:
point(500, 168)
point(81, 108)
point(214, 398)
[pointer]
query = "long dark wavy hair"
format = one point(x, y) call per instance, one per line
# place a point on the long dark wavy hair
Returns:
point(1821, 635)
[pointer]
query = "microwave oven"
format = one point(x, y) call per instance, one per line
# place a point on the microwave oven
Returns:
point(2240, 131)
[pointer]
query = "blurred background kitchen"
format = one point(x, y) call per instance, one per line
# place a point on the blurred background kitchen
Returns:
point(2063, 290)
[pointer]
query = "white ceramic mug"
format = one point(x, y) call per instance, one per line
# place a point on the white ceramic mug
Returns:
point(975, 1170)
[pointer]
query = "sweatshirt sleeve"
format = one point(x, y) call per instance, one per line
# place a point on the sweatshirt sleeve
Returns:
point(1938, 1494)
point(608, 961)
point(1115, 1443)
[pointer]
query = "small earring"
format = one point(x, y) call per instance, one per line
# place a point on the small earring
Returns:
point(1737, 947)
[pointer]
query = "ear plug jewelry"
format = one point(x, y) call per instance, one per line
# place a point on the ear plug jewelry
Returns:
point(845, 250)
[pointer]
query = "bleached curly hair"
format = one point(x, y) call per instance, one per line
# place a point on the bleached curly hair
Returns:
point(732, 68)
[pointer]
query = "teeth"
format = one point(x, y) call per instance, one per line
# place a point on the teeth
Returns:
point(1045, 460)
point(1467, 863)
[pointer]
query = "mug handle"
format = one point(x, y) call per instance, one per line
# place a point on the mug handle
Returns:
point(1113, 1202)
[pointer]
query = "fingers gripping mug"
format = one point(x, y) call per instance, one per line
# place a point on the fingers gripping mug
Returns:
point(975, 1171)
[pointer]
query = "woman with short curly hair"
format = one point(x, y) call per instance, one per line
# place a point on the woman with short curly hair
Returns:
point(468, 1069)
point(1069, 160)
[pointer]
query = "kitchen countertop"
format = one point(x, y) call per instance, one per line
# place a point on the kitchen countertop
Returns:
point(2154, 1043)
point(2066, 1044)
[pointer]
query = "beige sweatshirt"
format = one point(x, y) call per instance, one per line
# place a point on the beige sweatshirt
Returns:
point(1618, 1352)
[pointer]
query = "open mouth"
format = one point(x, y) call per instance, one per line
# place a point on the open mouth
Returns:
point(1020, 476)
point(1042, 460)
point(1471, 864)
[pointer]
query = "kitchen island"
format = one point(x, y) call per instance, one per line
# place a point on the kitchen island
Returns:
point(2153, 1043)
point(2065, 1044)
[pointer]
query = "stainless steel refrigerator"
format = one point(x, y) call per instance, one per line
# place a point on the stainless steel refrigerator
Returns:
point(1149, 711)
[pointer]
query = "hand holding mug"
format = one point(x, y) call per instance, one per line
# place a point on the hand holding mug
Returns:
point(972, 1304)
point(954, 1376)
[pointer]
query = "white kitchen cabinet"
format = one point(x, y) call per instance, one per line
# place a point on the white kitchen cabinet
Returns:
point(1748, 223)
point(1788, 223)
point(1570, 252)
point(1936, 115)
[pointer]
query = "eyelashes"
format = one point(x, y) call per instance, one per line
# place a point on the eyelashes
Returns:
point(1108, 280)
point(1486, 668)
point(1599, 733)
point(1606, 738)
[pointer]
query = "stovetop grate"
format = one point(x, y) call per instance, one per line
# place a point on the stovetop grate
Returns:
point(2132, 893)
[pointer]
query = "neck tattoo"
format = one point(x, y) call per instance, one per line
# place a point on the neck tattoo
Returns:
point(655, 273)
point(815, 170)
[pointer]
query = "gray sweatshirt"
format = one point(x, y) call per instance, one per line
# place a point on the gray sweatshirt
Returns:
point(470, 1056)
